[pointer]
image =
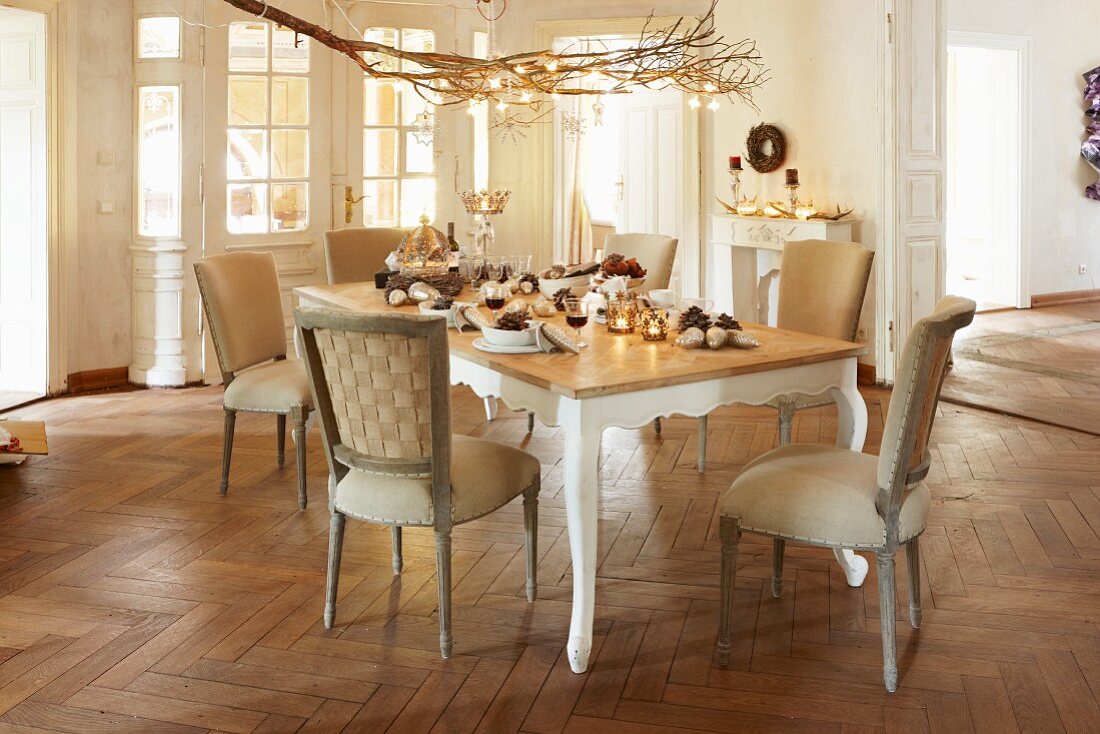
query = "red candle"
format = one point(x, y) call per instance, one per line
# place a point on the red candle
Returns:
point(792, 177)
point(735, 163)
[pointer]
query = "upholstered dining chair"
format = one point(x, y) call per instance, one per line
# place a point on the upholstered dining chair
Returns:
point(355, 254)
point(381, 383)
point(243, 305)
point(822, 286)
point(831, 497)
point(655, 252)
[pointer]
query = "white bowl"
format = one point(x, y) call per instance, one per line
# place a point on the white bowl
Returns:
point(427, 310)
point(578, 284)
point(505, 338)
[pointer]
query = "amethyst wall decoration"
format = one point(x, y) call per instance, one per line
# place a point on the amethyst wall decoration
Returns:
point(1090, 149)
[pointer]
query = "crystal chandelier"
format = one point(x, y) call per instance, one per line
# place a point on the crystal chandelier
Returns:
point(688, 55)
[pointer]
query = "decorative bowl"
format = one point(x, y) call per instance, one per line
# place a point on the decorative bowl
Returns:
point(504, 338)
point(578, 284)
point(448, 313)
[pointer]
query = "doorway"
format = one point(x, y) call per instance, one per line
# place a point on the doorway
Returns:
point(987, 169)
point(24, 193)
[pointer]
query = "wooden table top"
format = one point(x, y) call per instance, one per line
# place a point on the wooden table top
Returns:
point(612, 363)
point(31, 435)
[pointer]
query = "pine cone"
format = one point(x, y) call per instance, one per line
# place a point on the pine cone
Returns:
point(394, 283)
point(559, 297)
point(443, 303)
point(728, 323)
point(530, 278)
point(696, 318)
point(615, 264)
point(512, 321)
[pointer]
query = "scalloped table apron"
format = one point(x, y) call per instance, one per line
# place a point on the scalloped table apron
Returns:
point(623, 381)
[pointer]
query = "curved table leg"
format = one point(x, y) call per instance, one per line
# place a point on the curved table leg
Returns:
point(851, 432)
point(582, 454)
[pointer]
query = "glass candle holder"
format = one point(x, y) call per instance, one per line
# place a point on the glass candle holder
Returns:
point(622, 313)
point(654, 324)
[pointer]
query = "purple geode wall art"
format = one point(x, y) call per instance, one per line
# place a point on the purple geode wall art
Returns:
point(1090, 149)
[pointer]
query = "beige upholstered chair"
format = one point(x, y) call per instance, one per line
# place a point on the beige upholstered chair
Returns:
point(655, 252)
point(835, 498)
point(822, 286)
point(355, 254)
point(381, 383)
point(240, 294)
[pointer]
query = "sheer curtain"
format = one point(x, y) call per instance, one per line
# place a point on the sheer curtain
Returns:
point(578, 245)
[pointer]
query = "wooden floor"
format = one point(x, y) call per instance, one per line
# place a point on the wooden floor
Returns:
point(134, 599)
point(1042, 363)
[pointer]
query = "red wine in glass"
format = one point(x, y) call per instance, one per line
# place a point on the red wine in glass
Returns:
point(577, 321)
point(494, 304)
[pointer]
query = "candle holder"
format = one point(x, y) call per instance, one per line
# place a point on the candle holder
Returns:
point(622, 313)
point(735, 184)
point(654, 324)
point(747, 207)
point(792, 188)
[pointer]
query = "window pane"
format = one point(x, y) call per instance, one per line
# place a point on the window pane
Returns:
point(289, 205)
point(289, 100)
point(247, 212)
point(380, 102)
point(380, 152)
point(419, 158)
point(247, 156)
point(247, 100)
point(380, 206)
point(386, 37)
point(287, 58)
point(289, 153)
point(417, 198)
point(248, 47)
point(159, 38)
point(159, 162)
point(418, 40)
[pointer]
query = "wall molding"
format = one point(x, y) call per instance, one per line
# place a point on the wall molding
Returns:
point(1065, 298)
point(104, 379)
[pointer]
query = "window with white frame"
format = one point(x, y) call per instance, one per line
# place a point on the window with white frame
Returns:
point(159, 151)
point(267, 141)
point(398, 170)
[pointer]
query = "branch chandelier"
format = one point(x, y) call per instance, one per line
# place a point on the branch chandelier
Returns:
point(688, 55)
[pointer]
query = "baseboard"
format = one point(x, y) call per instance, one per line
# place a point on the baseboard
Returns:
point(105, 379)
point(866, 374)
point(1065, 298)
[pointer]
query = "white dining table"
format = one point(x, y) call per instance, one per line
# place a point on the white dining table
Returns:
point(623, 381)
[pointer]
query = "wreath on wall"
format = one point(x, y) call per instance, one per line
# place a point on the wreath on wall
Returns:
point(766, 148)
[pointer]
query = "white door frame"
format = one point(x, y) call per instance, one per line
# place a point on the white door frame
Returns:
point(61, 126)
point(691, 226)
point(1021, 46)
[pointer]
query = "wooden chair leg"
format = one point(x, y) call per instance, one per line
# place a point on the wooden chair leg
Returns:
point(299, 416)
point(335, 548)
point(786, 420)
point(530, 422)
point(443, 576)
point(731, 535)
point(398, 559)
point(702, 463)
point(778, 547)
point(912, 562)
point(531, 537)
point(227, 448)
point(657, 426)
point(888, 613)
point(280, 439)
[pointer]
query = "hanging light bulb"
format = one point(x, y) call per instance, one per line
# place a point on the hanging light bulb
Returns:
point(526, 97)
point(552, 65)
point(709, 87)
point(472, 110)
point(713, 105)
point(521, 69)
point(502, 106)
point(694, 103)
point(494, 83)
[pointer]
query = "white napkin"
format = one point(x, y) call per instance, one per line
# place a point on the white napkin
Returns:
point(548, 337)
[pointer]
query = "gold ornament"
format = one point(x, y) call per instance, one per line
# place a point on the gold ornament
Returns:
point(397, 298)
point(691, 338)
point(716, 337)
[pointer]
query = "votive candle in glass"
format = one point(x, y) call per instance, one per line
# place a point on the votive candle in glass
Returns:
point(654, 324)
point(622, 313)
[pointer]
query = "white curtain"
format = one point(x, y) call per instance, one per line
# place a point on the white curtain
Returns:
point(578, 232)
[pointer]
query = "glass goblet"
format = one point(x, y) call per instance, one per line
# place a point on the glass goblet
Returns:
point(494, 268)
point(576, 315)
point(496, 295)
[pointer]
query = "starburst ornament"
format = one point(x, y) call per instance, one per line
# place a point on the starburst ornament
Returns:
point(572, 125)
point(425, 128)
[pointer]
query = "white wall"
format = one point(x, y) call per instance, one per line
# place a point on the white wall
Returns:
point(99, 310)
point(1065, 226)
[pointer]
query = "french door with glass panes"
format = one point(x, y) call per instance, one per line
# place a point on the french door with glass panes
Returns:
point(401, 173)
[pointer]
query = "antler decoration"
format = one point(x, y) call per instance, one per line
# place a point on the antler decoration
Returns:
point(688, 55)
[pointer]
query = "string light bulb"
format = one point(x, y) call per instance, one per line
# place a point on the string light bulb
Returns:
point(502, 106)
point(713, 105)
point(694, 103)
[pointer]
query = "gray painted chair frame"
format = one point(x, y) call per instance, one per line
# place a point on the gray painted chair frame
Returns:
point(299, 414)
point(904, 460)
point(342, 458)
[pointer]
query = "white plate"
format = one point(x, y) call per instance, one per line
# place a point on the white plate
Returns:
point(485, 346)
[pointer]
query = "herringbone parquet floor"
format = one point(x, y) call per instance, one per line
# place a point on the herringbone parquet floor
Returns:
point(134, 599)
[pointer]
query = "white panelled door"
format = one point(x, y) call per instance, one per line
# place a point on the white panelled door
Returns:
point(23, 202)
point(657, 168)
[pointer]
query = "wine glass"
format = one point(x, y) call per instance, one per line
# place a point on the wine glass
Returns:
point(496, 295)
point(494, 267)
point(522, 265)
point(576, 315)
